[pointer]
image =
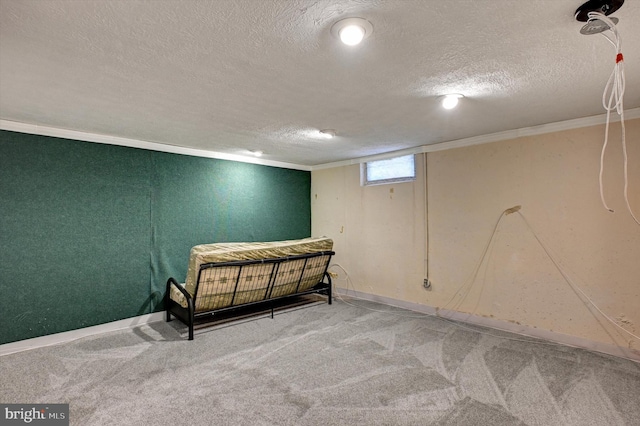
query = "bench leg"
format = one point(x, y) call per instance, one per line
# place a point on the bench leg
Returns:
point(192, 314)
point(191, 321)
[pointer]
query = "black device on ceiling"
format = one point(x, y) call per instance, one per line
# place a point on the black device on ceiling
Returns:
point(606, 7)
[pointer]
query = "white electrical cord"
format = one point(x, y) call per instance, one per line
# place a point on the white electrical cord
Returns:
point(573, 285)
point(467, 286)
point(426, 221)
point(614, 101)
point(516, 209)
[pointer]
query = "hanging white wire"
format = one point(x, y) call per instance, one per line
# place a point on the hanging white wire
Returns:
point(613, 99)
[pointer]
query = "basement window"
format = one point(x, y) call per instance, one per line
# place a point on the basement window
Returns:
point(390, 170)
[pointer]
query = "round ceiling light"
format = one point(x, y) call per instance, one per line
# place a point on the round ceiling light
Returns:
point(352, 35)
point(451, 101)
point(352, 31)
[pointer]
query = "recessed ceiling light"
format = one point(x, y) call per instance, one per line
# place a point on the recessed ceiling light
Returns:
point(328, 133)
point(450, 101)
point(352, 31)
point(257, 153)
point(352, 35)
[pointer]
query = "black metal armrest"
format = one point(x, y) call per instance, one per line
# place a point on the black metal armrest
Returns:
point(179, 287)
point(176, 309)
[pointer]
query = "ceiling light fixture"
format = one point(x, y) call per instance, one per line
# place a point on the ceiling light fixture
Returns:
point(606, 7)
point(328, 133)
point(352, 31)
point(451, 101)
point(257, 153)
point(589, 12)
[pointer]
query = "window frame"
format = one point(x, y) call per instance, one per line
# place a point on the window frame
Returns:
point(364, 172)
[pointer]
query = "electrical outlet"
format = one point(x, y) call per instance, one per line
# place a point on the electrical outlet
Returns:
point(427, 284)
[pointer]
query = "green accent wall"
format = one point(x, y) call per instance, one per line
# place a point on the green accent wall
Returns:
point(90, 233)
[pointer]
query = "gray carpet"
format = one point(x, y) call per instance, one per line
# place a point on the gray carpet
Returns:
point(325, 365)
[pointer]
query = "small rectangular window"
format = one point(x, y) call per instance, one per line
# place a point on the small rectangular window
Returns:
point(390, 170)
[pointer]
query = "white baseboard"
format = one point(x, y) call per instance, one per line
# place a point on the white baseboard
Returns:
point(67, 336)
point(520, 329)
point(128, 323)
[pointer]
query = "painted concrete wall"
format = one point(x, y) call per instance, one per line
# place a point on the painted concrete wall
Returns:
point(380, 236)
point(90, 232)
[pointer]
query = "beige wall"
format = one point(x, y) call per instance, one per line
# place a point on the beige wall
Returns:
point(379, 232)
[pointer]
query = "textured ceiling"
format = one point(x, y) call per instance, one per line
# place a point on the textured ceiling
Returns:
point(233, 76)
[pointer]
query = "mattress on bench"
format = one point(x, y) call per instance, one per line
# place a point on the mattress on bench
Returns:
point(218, 284)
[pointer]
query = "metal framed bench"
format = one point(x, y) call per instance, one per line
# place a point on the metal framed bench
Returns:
point(226, 286)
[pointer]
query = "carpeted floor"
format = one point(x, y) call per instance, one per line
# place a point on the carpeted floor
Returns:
point(325, 365)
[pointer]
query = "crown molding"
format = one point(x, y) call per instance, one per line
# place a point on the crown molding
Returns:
point(35, 129)
point(492, 137)
point(458, 143)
